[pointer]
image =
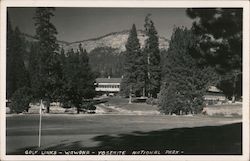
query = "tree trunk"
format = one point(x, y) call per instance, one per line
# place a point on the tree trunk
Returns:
point(47, 104)
point(233, 98)
point(130, 99)
point(130, 95)
point(236, 73)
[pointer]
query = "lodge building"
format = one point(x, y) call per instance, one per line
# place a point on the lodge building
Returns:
point(108, 85)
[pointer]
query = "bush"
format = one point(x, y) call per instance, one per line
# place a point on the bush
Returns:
point(168, 100)
point(66, 104)
point(88, 106)
point(171, 100)
point(152, 101)
point(20, 100)
point(91, 107)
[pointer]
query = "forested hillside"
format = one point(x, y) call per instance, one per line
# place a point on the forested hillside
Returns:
point(106, 61)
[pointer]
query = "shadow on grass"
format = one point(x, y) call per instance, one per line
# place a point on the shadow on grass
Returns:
point(225, 139)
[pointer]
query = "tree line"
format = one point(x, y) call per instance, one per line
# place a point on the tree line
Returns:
point(106, 61)
point(48, 74)
point(142, 69)
point(210, 53)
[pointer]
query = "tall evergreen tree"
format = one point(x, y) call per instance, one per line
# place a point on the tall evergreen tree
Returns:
point(152, 54)
point(78, 79)
point(33, 69)
point(71, 96)
point(48, 72)
point(16, 72)
point(184, 82)
point(9, 76)
point(133, 81)
point(220, 44)
point(87, 76)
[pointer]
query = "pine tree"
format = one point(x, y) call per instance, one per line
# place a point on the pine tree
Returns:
point(17, 79)
point(9, 54)
point(17, 76)
point(87, 78)
point(220, 44)
point(70, 85)
point(78, 79)
point(33, 70)
point(184, 82)
point(133, 81)
point(152, 57)
point(48, 72)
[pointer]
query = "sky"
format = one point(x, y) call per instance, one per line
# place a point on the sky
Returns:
point(74, 24)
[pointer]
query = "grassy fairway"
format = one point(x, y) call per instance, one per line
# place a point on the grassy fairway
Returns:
point(191, 135)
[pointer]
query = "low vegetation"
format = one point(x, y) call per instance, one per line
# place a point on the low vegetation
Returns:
point(20, 100)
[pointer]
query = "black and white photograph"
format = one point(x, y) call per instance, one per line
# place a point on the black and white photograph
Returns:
point(125, 81)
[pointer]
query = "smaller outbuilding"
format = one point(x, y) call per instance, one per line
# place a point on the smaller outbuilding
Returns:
point(214, 95)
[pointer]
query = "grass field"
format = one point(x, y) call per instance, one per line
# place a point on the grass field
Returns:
point(190, 135)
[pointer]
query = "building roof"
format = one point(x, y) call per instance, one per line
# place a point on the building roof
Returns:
point(214, 89)
point(108, 80)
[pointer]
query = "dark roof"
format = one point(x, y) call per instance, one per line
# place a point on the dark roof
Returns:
point(108, 80)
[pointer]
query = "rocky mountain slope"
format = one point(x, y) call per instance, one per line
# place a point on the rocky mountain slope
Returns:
point(116, 40)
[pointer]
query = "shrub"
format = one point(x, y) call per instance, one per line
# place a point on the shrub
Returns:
point(88, 106)
point(20, 100)
point(91, 107)
point(152, 101)
point(172, 100)
point(169, 100)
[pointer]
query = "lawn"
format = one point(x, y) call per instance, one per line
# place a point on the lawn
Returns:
point(225, 109)
point(123, 104)
point(189, 135)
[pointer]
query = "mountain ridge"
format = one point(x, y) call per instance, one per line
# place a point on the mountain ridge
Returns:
point(116, 40)
point(112, 33)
